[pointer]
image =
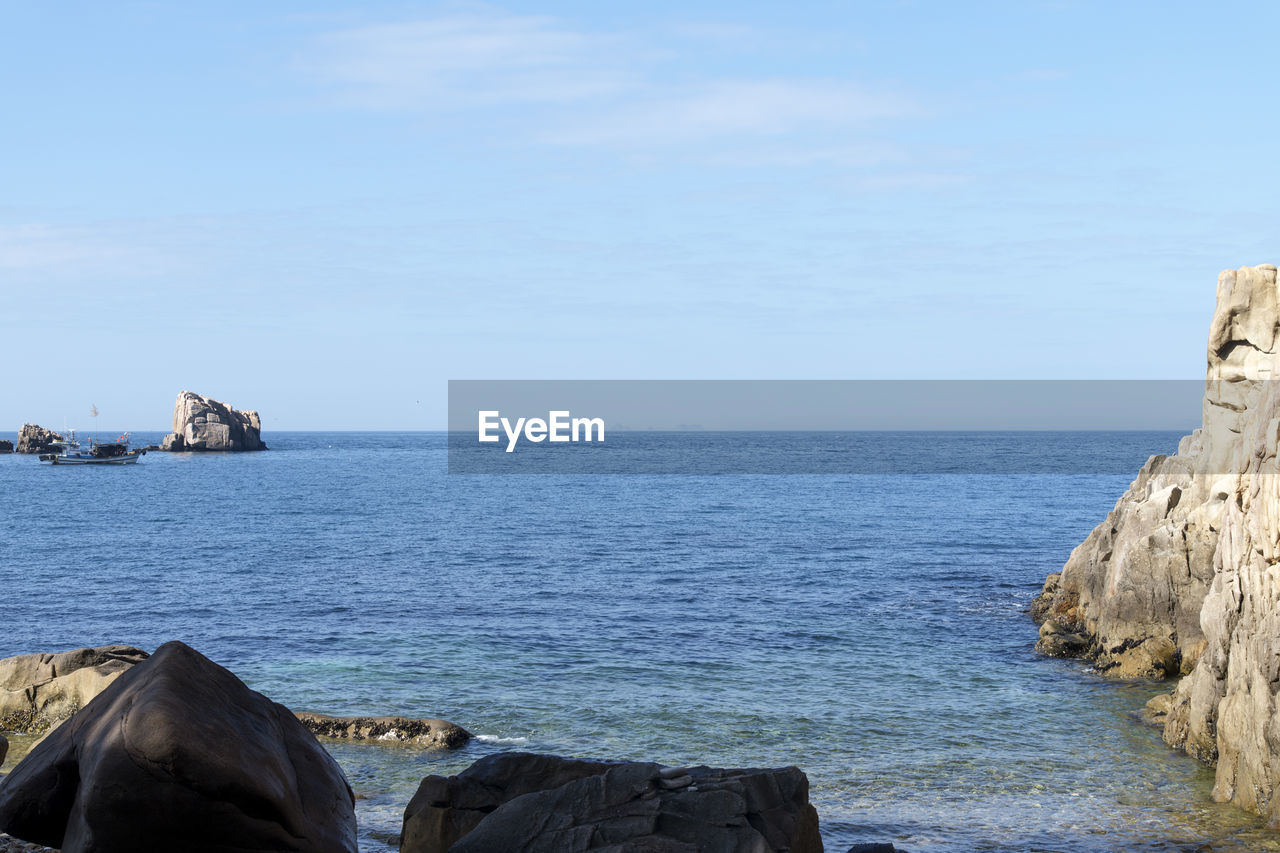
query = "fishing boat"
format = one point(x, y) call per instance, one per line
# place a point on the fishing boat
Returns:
point(69, 451)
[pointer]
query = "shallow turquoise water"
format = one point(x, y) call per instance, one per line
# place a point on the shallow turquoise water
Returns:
point(869, 628)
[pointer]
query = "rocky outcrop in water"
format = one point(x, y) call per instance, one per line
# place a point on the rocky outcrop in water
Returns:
point(178, 754)
point(6, 446)
point(202, 423)
point(38, 691)
point(522, 802)
point(1184, 574)
point(35, 439)
point(438, 734)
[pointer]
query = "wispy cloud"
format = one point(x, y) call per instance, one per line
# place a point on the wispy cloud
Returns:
point(458, 60)
point(560, 85)
point(48, 247)
point(734, 109)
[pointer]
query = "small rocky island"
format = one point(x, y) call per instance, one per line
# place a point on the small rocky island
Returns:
point(204, 424)
point(35, 439)
point(1183, 576)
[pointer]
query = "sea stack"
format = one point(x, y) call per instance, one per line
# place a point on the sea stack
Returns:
point(202, 423)
point(1183, 577)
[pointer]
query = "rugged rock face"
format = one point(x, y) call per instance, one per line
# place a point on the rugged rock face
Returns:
point(1184, 575)
point(38, 691)
point(35, 439)
point(431, 733)
point(202, 423)
point(1133, 590)
point(1226, 710)
point(518, 802)
point(178, 754)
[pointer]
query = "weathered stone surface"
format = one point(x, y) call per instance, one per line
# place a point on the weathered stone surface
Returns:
point(1156, 711)
point(35, 439)
point(202, 423)
point(1063, 644)
point(433, 733)
point(178, 754)
point(524, 802)
point(1184, 575)
point(41, 690)
point(6, 446)
point(1136, 585)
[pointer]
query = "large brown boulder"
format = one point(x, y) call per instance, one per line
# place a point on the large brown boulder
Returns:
point(38, 691)
point(35, 439)
point(178, 754)
point(203, 423)
point(521, 802)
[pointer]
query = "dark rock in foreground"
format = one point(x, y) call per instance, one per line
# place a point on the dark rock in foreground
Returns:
point(202, 423)
point(38, 691)
point(521, 802)
point(6, 446)
point(4, 748)
point(433, 733)
point(9, 844)
point(35, 439)
point(178, 754)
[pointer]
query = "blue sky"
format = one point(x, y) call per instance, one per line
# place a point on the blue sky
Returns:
point(324, 211)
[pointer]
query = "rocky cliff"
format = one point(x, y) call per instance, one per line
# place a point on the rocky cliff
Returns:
point(1183, 577)
point(202, 423)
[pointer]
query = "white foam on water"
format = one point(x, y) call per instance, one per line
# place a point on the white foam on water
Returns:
point(496, 739)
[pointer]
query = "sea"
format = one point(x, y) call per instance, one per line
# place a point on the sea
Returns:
point(870, 628)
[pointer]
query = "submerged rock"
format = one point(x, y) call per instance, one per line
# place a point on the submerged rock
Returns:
point(517, 802)
point(202, 423)
point(35, 439)
point(1156, 711)
point(38, 691)
point(178, 754)
point(432, 733)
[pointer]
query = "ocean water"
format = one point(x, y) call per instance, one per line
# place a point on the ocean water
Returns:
point(869, 628)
